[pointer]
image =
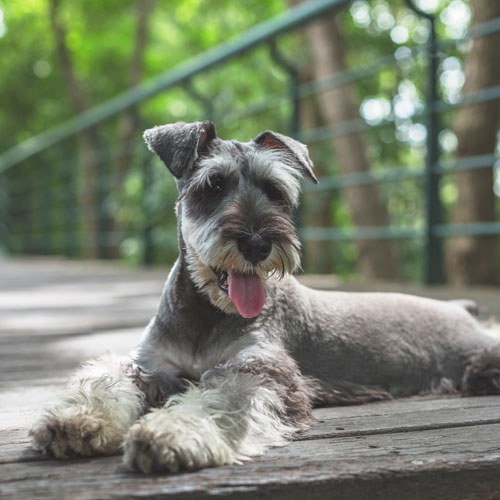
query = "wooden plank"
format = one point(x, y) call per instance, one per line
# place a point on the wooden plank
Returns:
point(408, 414)
point(444, 463)
point(15, 446)
point(23, 360)
point(21, 405)
point(19, 322)
point(46, 296)
point(377, 418)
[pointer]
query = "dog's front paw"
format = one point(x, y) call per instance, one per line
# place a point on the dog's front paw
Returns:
point(163, 441)
point(76, 431)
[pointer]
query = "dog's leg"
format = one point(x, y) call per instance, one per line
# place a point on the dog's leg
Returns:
point(94, 413)
point(234, 413)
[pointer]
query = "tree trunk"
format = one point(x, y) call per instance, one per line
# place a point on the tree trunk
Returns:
point(376, 257)
point(129, 123)
point(472, 259)
point(88, 140)
point(129, 120)
point(317, 206)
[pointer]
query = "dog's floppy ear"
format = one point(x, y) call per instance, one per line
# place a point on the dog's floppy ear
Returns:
point(272, 140)
point(179, 144)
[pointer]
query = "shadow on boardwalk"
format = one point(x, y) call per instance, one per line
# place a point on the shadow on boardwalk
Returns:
point(55, 314)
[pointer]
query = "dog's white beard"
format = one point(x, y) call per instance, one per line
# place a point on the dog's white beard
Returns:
point(207, 251)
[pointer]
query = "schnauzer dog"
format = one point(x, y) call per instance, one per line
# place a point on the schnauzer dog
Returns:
point(239, 352)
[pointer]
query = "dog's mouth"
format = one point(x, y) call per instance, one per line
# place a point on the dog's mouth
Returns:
point(245, 291)
point(223, 280)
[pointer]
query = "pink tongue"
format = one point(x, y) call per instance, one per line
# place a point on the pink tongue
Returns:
point(247, 293)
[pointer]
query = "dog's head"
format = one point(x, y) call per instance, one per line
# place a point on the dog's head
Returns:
point(234, 208)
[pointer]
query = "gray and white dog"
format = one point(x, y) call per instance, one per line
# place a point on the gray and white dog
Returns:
point(239, 351)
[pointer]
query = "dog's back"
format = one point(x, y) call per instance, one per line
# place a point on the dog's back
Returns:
point(397, 343)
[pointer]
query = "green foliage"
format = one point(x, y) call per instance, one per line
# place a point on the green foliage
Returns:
point(101, 38)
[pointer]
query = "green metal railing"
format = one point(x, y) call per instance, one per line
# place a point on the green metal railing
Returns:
point(45, 162)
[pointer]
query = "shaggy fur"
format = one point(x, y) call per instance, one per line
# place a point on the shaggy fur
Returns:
point(220, 375)
point(94, 413)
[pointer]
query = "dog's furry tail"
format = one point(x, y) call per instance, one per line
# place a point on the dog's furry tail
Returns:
point(482, 375)
point(469, 305)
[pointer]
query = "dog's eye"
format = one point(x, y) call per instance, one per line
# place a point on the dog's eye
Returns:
point(215, 185)
point(272, 192)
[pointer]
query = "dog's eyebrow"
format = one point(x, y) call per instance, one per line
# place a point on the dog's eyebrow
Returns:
point(223, 162)
point(273, 166)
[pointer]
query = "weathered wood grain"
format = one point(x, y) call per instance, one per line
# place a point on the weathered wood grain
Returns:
point(56, 357)
point(351, 467)
point(47, 297)
point(409, 414)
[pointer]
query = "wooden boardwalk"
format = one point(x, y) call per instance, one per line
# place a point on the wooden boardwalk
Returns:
point(55, 314)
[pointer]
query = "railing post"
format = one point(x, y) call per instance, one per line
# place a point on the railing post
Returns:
point(293, 88)
point(72, 231)
point(147, 229)
point(27, 183)
point(294, 96)
point(103, 225)
point(4, 188)
point(46, 204)
point(434, 273)
point(39, 208)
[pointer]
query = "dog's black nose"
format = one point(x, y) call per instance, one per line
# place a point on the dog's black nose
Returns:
point(254, 248)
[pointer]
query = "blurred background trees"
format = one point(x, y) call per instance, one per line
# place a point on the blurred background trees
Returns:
point(60, 57)
point(471, 260)
point(377, 259)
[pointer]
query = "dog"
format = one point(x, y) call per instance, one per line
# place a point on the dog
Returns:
point(239, 352)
